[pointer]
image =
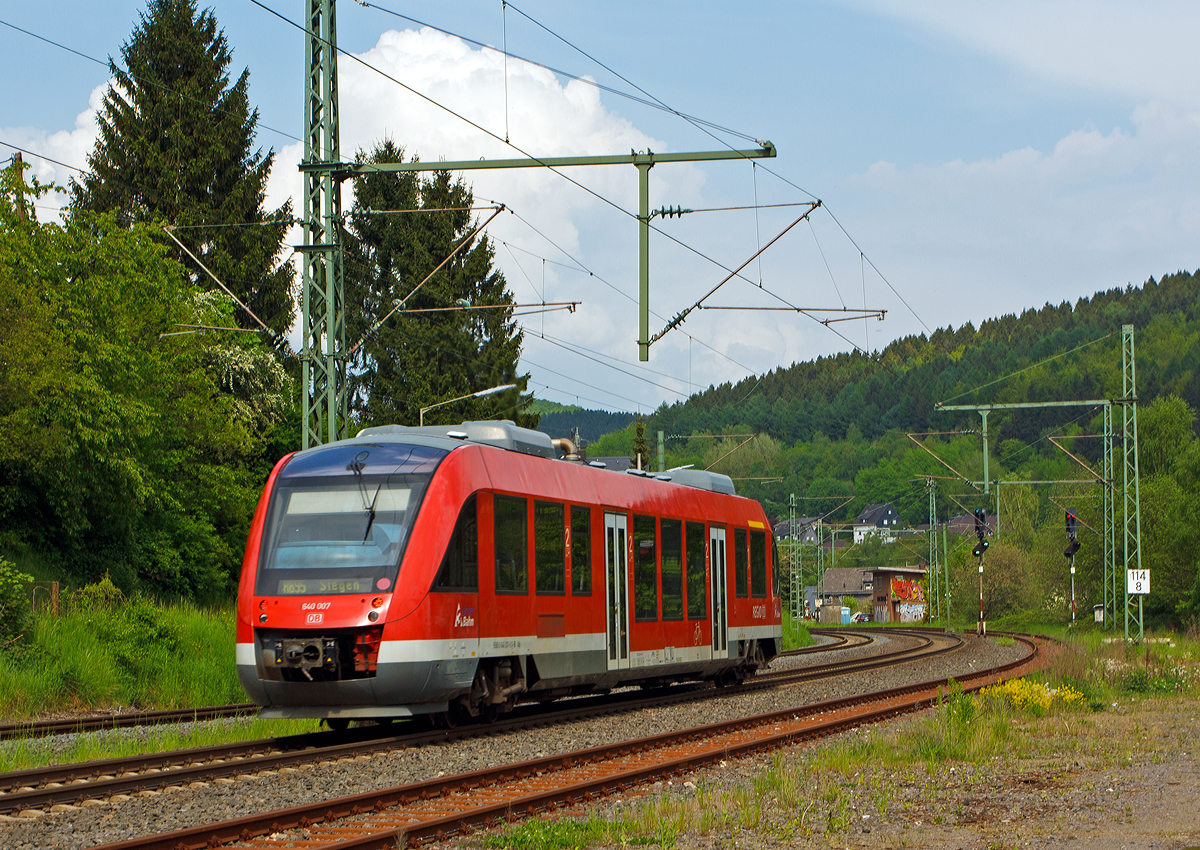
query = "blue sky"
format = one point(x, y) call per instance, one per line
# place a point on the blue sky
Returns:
point(986, 158)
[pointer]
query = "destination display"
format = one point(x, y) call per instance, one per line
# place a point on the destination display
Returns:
point(320, 587)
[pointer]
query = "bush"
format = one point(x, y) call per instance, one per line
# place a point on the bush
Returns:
point(103, 595)
point(15, 612)
point(105, 652)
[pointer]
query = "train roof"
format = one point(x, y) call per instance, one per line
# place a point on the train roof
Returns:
point(506, 434)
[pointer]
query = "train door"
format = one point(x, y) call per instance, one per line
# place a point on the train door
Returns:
point(718, 570)
point(616, 590)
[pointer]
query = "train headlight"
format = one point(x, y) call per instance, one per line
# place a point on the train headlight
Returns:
point(373, 616)
point(377, 602)
point(262, 618)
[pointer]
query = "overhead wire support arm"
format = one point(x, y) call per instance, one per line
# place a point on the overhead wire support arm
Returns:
point(960, 476)
point(856, 313)
point(167, 229)
point(647, 158)
point(1075, 458)
point(466, 240)
point(683, 314)
point(643, 161)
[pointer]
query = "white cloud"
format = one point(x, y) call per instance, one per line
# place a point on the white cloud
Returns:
point(544, 118)
point(997, 235)
point(960, 239)
point(67, 146)
point(1144, 50)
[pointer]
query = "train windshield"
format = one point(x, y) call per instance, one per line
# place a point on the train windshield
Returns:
point(339, 519)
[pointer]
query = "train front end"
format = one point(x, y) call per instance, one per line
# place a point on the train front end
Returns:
point(319, 579)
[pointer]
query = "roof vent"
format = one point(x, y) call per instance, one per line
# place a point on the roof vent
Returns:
point(503, 434)
point(704, 480)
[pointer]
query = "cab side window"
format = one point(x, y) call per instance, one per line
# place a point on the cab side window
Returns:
point(460, 566)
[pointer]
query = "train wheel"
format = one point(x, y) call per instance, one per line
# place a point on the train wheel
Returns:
point(728, 679)
point(337, 724)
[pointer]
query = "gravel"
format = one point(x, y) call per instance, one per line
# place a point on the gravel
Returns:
point(152, 812)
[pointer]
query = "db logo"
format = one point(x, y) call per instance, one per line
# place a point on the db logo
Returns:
point(464, 616)
point(314, 618)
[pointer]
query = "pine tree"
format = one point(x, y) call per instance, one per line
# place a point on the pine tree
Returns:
point(639, 444)
point(416, 359)
point(175, 146)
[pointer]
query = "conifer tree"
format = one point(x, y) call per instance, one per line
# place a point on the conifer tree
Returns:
point(639, 444)
point(175, 146)
point(414, 359)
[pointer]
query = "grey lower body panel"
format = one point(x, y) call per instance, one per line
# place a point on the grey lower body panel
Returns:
point(410, 688)
point(396, 690)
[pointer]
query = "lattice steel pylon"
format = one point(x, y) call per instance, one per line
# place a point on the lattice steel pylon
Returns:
point(796, 585)
point(323, 345)
point(1109, 576)
point(932, 562)
point(820, 576)
point(1131, 508)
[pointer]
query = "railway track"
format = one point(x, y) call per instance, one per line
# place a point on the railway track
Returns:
point(39, 789)
point(437, 809)
point(125, 720)
point(129, 720)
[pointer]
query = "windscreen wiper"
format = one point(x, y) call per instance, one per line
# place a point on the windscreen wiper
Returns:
point(356, 466)
point(371, 514)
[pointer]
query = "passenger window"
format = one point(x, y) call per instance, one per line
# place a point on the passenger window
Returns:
point(549, 548)
point(581, 551)
point(672, 569)
point(739, 563)
point(460, 566)
point(645, 569)
point(697, 596)
point(511, 544)
point(758, 563)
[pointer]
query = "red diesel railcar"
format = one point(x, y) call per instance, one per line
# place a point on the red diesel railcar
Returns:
point(460, 570)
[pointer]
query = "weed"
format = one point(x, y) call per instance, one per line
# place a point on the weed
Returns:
point(539, 834)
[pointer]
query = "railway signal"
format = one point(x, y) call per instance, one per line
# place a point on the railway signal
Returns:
point(979, 551)
point(1073, 546)
point(981, 532)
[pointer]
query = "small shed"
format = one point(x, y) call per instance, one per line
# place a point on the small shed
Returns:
point(899, 594)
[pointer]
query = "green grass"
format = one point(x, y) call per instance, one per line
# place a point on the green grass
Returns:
point(25, 753)
point(811, 788)
point(135, 654)
point(822, 790)
point(795, 634)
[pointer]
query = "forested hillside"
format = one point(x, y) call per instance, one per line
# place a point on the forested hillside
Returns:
point(558, 420)
point(833, 433)
point(898, 388)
